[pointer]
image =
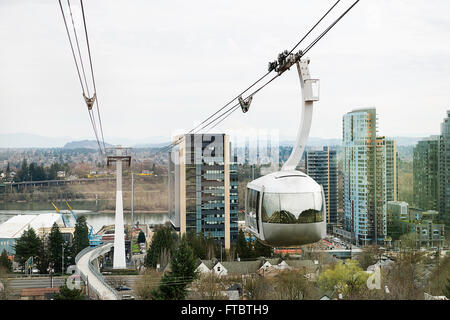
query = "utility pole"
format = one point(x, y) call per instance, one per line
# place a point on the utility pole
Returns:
point(132, 200)
point(62, 259)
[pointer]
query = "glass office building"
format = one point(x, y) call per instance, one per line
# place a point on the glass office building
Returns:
point(203, 187)
point(321, 165)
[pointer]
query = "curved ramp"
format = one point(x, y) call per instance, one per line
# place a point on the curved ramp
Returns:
point(91, 276)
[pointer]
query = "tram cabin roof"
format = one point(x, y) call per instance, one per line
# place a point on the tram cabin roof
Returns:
point(291, 181)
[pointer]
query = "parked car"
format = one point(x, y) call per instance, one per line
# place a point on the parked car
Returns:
point(123, 288)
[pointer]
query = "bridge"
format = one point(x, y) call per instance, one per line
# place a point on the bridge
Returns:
point(87, 265)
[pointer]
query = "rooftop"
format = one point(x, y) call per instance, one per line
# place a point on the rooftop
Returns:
point(14, 227)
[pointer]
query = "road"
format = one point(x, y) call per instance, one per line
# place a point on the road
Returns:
point(17, 284)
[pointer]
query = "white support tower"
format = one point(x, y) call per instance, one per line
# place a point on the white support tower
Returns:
point(119, 260)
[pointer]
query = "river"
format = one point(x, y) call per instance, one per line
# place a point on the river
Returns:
point(92, 210)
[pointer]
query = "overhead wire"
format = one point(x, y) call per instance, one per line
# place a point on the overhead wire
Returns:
point(237, 105)
point(92, 72)
point(71, 45)
point(234, 108)
point(229, 111)
point(84, 86)
point(91, 115)
point(298, 43)
point(307, 34)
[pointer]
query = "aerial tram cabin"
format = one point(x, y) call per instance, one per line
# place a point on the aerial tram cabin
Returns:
point(287, 208)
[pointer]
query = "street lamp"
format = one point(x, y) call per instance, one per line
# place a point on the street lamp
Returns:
point(51, 271)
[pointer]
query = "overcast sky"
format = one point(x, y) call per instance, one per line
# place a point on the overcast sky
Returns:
point(162, 66)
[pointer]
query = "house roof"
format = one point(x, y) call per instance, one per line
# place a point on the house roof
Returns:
point(14, 227)
point(309, 264)
point(208, 263)
point(242, 267)
point(274, 261)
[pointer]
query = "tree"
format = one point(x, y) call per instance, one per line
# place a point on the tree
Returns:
point(68, 294)
point(293, 285)
point(163, 239)
point(405, 278)
point(27, 246)
point(144, 287)
point(22, 173)
point(197, 243)
point(5, 287)
point(261, 250)
point(409, 240)
point(346, 278)
point(243, 250)
point(174, 283)
point(212, 248)
point(55, 245)
point(42, 259)
point(80, 238)
point(5, 263)
point(209, 287)
point(258, 288)
point(369, 256)
point(141, 237)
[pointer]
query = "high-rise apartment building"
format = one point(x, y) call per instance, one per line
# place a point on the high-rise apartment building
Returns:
point(391, 170)
point(444, 169)
point(364, 171)
point(321, 165)
point(425, 174)
point(203, 187)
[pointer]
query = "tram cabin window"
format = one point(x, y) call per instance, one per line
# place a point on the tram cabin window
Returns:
point(252, 208)
point(292, 208)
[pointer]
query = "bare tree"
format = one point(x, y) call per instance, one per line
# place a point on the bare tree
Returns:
point(258, 288)
point(293, 285)
point(5, 288)
point(208, 287)
point(146, 283)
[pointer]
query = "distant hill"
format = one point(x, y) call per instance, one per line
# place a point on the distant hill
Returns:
point(26, 140)
point(84, 144)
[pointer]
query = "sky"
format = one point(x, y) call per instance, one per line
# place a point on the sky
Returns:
point(161, 67)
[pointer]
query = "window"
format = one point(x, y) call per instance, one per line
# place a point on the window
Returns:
point(292, 208)
point(252, 208)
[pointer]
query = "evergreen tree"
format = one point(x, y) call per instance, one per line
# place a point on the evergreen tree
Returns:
point(68, 294)
point(197, 244)
point(23, 173)
point(27, 246)
point(261, 250)
point(212, 250)
point(173, 285)
point(80, 238)
point(55, 246)
point(42, 259)
point(163, 241)
point(5, 263)
point(243, 249)
point(141, 237)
